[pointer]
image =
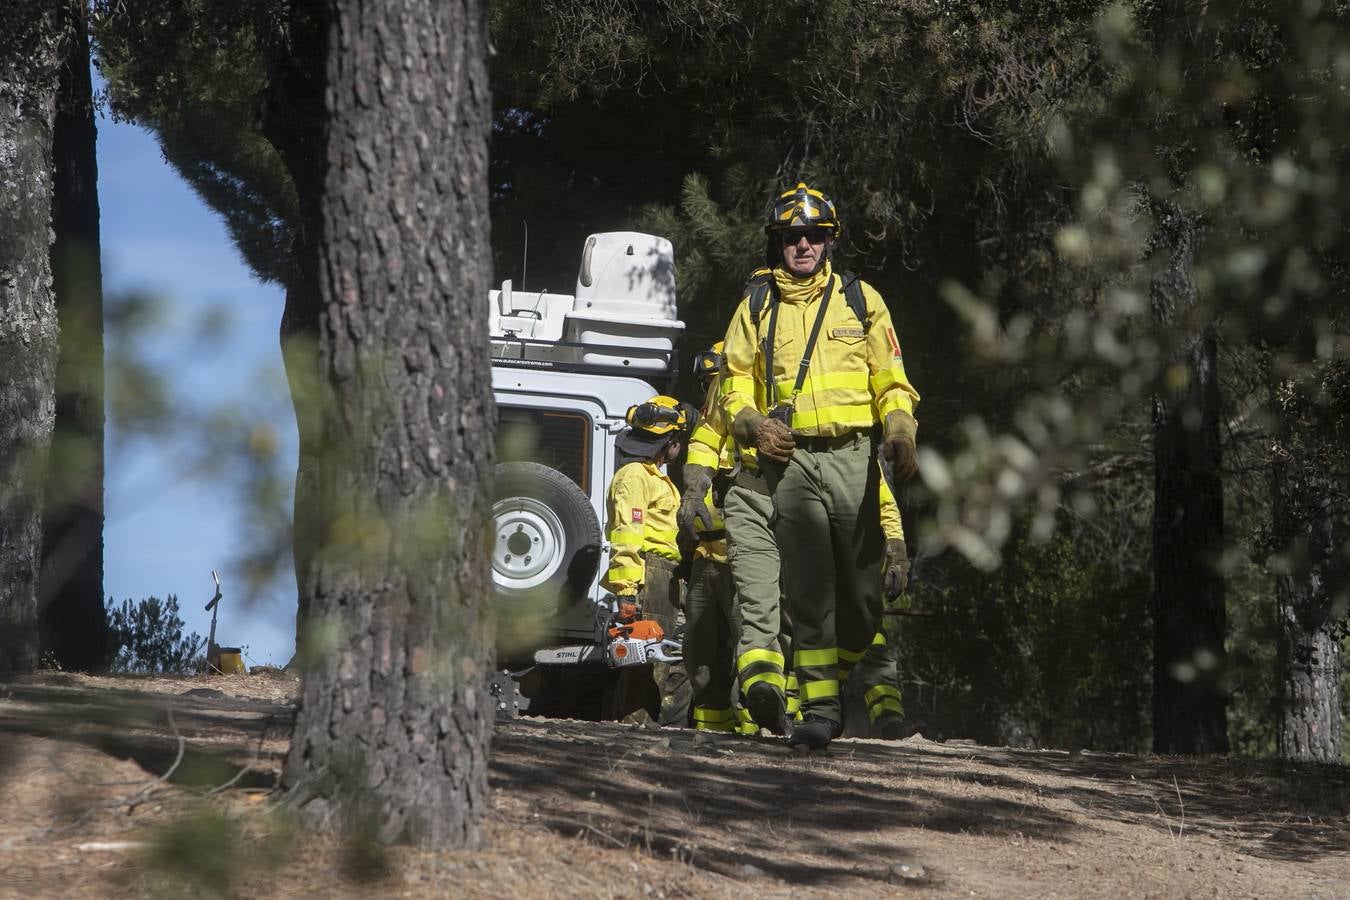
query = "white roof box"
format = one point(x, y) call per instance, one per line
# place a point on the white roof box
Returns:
point(623, 315)
point(625, 274)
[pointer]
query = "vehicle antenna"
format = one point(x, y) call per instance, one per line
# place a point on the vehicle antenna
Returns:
point(524, 254)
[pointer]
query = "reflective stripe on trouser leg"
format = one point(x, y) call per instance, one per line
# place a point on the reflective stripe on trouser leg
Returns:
point(709, 635)
point(817, 685)
point(755, 666)
point(829, 534)
point(714, 719)
point(878, 679)
point(753, 555)
point(882, 699)
point(794, 696)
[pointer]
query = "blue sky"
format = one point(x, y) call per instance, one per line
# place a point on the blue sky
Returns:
point(169, 523)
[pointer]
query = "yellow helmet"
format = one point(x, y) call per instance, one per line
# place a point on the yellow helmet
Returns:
point(653, 425)
point(708, 362)
point(660, 415)
point(803, 207)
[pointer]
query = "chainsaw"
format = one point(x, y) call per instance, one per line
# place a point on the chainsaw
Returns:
point(622, 640)
point(638, 642)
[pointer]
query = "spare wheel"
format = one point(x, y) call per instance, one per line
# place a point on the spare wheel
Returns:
point(546, 538)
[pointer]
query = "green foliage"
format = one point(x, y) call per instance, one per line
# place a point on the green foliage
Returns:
point(147, 636)
point(200, 850)
point(207, 852)
point(1049, 651)
point(194, 72)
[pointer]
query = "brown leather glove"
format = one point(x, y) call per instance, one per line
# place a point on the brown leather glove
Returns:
point(899, 446)
point(896, 578)
point(774, 441)
point(770, 437)
point(694, 500)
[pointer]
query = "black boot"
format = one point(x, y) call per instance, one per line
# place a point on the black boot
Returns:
point(891, 727)
point(766, 707)
point(814, 733)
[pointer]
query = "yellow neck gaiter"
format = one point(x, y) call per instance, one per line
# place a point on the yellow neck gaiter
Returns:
point(802, 290)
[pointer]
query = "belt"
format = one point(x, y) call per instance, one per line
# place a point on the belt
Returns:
point(751, 479)
point(834, 442)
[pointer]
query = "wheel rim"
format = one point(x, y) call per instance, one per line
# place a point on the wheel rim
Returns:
point(529, 544)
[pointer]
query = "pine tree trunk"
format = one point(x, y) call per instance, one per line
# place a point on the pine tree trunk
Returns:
point(393, 728)
point(29, 53)
point(1304, 521)
point(292, 119)
point(74, 625)
point(1189, 617)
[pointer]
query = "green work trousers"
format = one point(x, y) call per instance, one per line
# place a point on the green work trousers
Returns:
point(828, 526)
point(753, 554)
point(710, 632)
point(876, 675)
point(661, 693)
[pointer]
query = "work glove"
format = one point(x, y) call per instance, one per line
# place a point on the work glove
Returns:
point(771, 439)
point(694, 500)
point(899, 447)
point(896, 577)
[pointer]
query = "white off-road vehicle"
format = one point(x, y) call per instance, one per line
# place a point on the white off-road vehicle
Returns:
point(565, 370)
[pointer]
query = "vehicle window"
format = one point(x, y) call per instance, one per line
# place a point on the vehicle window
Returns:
point(561, 440)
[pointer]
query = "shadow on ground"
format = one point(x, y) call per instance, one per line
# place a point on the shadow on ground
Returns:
point(737, 805)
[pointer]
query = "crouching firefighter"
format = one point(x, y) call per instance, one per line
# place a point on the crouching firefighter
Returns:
point(641, 506)
point(712, 626)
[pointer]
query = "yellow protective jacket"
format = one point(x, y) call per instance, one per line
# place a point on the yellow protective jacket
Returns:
point(710, 447)
point(642, 503)
point(857, 374)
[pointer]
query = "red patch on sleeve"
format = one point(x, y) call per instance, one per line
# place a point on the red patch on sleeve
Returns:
point(895, 344)
point(637, 515)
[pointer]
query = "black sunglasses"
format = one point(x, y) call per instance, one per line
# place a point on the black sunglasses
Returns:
point(812, 235)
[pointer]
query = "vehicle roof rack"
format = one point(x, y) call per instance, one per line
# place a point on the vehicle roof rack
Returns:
point(620, 320)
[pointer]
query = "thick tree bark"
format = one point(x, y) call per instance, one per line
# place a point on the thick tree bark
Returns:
point(1189, 616)
point(29, 54)
point(393, 730)
point(1309, 571)
point(74, 626)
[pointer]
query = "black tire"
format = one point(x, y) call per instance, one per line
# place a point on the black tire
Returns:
point(545, 547)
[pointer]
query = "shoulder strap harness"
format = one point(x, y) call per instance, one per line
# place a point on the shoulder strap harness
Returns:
point(762, 291)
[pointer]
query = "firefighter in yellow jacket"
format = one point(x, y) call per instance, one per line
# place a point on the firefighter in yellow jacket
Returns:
point(712, 625)
point(641, 505)
point(765, 678)
point(820, 390)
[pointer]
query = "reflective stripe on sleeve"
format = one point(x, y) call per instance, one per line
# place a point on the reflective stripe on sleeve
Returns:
point(625, 573)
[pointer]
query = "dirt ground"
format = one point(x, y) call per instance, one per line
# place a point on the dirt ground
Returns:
point(581, 809)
